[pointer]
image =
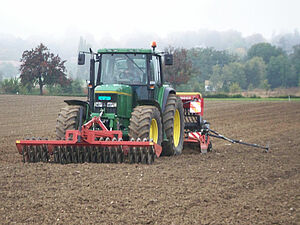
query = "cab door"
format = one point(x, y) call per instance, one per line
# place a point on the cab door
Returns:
point(155, 75)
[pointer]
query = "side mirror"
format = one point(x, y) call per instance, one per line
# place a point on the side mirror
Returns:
point(168, 59)
point(81, 59)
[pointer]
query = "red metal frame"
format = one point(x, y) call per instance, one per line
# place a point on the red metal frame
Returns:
point(90, 138)
point(187, 98)
point(197, 136)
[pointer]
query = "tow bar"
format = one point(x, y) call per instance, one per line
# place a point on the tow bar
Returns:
point(217, 135)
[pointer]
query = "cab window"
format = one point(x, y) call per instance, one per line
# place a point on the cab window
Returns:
point(155, 69)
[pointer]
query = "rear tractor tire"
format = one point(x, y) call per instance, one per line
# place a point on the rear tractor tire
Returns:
point(68, 119)
point(145, 123)
point(173, 120)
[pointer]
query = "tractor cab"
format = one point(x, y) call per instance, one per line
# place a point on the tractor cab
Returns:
point(130, 69)
point(122, 67)
point(121, 79)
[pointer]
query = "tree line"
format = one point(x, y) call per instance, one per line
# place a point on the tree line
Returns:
point(265, 66)
point(41, 68)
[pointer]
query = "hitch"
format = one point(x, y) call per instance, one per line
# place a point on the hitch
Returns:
point(217, 135)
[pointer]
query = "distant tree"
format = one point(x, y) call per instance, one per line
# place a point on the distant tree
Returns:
point(234, 88)
point(181, 70)
point(1, 76)
point(40, 67)
point(217, 78)
point(280, 73)
point(266, 85)
point(73, 88)
point(255, 71)
point(77, 86)
point(10, 86)
point(240, 52)
point(286, 41)
point(295, 58)
point(254, 39)
point(192, 85)
point(264, 50)
point(234, 73)
point(250, 87)
point(203, 60)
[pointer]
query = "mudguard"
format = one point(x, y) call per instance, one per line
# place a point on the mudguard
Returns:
point(168, 90)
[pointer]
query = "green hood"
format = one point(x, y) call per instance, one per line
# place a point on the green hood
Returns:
point(119, 89)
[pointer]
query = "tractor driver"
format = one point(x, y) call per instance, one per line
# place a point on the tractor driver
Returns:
point(131, 73)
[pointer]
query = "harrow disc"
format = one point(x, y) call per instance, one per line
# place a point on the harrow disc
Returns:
point(119, 155)
point(84, 153)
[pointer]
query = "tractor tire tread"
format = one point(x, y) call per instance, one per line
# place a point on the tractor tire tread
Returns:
point(173, 102)
point(140, 122)
point(67, 120)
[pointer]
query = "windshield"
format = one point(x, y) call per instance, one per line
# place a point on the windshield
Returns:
point(123, 69)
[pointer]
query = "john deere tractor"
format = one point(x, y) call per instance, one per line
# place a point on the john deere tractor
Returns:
point(131, 115)
point(127, 91)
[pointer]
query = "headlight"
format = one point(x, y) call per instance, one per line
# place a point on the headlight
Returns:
point(111, 104)
point(98, 104)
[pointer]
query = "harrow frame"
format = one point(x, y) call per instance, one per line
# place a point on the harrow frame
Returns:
point(84, 137)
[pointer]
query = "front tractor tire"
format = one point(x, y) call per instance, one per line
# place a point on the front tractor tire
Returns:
point(145, 122)
point(173, 120)
point(68, 119)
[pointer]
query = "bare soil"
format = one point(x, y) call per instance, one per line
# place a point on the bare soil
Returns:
point(233, 184)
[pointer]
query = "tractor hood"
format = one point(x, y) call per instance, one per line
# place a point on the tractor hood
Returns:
point(115, 99)
point(120, 89)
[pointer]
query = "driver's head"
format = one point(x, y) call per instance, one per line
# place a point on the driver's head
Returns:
point(129, 65)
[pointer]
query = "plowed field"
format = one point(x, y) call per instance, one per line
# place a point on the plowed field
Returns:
point(234, 184)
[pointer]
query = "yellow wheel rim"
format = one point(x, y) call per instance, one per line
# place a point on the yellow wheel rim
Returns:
point(176, 132)
point(153, 130)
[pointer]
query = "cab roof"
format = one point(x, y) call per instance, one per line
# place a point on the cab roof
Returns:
point(124, 50)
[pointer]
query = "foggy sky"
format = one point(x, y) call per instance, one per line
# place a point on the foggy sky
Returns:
point(119, 18)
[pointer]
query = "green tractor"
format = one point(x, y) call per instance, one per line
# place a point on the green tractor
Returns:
point(127, 91)
point(131, 115)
